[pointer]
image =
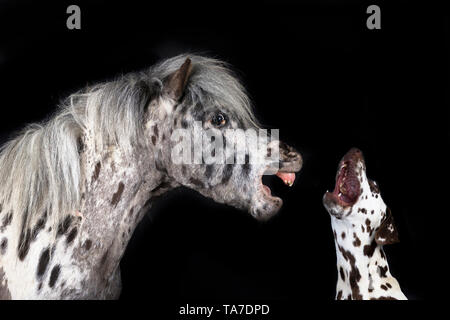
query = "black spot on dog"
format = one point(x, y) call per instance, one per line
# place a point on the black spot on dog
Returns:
point(382, 271)
point(3, 246)
point(354, 275)
point(97, 168)
point(341, 272)
point(383, 298)
point(389, 285)
point(368, 228)
point(369, 249)
point(43, 262)
point(116, 196)
point(72, 234)
point(343, 235)
point(54, 275)
point(384, 287)
point(339, 295)
point(356, 242)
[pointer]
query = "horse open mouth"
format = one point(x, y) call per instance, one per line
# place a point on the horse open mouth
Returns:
point(288, 179)
point(347, 188)
point(290, 163)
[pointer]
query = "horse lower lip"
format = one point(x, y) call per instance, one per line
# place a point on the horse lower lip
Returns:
point(287, 177)
point(267, 190)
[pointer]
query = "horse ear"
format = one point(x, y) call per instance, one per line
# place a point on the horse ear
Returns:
point(387, 232)
point(176, 82)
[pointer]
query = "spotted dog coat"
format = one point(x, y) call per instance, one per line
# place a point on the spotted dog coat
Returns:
point(76, 254)
point(362, 224)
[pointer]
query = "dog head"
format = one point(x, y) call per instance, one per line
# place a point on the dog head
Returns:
point(356, 199)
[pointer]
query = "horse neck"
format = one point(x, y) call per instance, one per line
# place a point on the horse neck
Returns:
point(115, 196)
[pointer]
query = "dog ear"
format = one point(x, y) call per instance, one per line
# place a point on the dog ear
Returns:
point(175, 84)
point(387, 232)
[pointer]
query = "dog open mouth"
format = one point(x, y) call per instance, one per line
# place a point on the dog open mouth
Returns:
point(347, 188)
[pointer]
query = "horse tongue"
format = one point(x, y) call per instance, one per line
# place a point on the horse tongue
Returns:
point(287, 177)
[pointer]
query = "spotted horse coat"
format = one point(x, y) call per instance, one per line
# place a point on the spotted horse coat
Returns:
point(362, 224)
point(105, 158)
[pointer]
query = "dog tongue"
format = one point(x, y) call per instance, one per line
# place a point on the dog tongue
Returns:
point(287, 177)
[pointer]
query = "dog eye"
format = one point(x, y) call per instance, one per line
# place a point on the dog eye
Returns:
point(219, 120)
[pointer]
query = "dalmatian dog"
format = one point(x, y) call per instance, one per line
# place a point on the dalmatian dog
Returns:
point(362, 224)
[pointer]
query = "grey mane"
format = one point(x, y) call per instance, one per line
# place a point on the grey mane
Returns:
point(40, 168)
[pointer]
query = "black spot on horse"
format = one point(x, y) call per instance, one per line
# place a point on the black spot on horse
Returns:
point(116, 196)
point(87, 244)
point(159, 165)
point(3, 246)
point(63, 227)
point(40, 224)
point(24, 244)
point(227, 173)
point(97, 168)
point(72, 234)
point(198, 113)
point(196, 182)
point(54, 275)
point(246, 166)
point(209, 170)
point(43, 262)
point(6, 220)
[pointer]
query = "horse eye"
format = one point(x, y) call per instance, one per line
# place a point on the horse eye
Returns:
point(219, 120)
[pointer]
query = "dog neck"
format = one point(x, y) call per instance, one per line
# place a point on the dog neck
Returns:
point(363, 271)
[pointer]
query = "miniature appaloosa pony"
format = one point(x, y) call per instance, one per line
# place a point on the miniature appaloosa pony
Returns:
point(73, 189)
point(362, 224)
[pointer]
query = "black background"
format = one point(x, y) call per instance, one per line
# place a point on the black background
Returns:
point(314, 71)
